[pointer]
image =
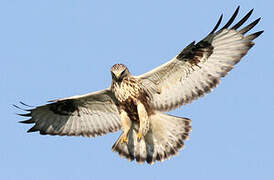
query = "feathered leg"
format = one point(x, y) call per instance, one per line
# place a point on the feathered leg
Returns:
point(143, 118)
point(126, 124)
point(164, 139)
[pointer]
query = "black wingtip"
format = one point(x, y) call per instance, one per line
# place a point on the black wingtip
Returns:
point(29, 121)
point(230, 21)
point(250, 26)
point(20, 108)
point(33, 129)
point(25, 115)
point(25, 104)
point(243, 20)
point(254, 35)
point(217, 25)
point(238, 7)
point(259, 33)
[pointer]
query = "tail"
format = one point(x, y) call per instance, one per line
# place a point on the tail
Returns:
point(165, 138)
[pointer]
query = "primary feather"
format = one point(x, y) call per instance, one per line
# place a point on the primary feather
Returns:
point(135, 103)
point(199, 67)
point(89, 115)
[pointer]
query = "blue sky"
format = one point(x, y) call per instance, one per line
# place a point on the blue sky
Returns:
point(53, 49)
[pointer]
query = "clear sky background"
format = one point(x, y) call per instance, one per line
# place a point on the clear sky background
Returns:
point(53, 49)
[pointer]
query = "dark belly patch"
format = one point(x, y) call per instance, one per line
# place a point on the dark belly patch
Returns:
point(131, 108)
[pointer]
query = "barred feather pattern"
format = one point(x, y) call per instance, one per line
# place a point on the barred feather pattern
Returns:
point(90, 115)
point(164, 139)
point(199, 67)
point(191, 74)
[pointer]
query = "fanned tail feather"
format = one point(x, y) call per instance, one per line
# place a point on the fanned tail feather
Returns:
point(164, 139)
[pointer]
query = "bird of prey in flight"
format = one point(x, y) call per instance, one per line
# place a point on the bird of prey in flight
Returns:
point(136, 104)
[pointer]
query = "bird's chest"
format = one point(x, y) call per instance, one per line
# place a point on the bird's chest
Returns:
point(127, 91)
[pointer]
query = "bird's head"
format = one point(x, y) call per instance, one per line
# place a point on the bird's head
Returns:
point(118, 72)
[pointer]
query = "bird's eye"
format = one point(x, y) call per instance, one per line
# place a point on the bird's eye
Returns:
point(113, 76)
point(123, 73)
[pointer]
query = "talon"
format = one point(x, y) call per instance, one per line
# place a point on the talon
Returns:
point(124, 140)
point(139, 136)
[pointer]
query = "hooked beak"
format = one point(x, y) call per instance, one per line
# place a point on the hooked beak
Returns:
point(117, 75)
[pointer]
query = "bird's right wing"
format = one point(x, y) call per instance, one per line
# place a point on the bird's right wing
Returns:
point(92, 114)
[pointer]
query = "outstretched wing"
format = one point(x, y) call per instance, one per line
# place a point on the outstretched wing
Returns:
point(87, 115)
point(199, 67)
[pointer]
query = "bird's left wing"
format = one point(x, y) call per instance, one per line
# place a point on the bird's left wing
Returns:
point(86, 115)
point(199, 67)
